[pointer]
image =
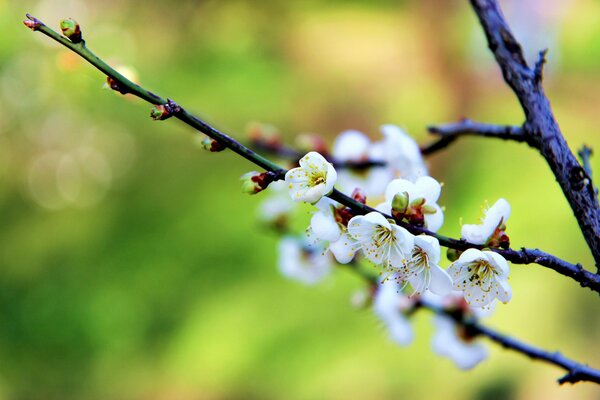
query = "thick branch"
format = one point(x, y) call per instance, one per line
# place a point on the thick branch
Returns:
point(540, 124)
point(525, 256)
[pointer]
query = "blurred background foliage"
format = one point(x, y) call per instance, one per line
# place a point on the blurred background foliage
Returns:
point(131, 266)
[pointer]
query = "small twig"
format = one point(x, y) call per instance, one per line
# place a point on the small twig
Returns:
point(538, 69)
point(450, 132)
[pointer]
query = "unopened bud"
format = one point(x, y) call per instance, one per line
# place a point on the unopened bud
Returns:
point(306, 142)
point(32, 23)
point(254, 182)
point(400, 202)
point(453, 254)
point(158, 113)
point(418, 202)
point(359, 195)
point(212, 145)
point(70, 28)
point(428, 209)
point(264, 134)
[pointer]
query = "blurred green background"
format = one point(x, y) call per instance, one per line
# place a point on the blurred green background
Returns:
point(131, 266)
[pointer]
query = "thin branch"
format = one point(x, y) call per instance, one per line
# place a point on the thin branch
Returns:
point(448, 133)
point(292, 154)
point(540, 125)
point(576, 372)
point(524, 256)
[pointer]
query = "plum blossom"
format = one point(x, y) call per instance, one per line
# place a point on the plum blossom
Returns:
point(491, 230)
point(301, 262)
point(422, 269)
point(275, 209)
point(389, 304)
point(402, 153)
point(382, 242)
point(418, 201)
point(312, 180)
point(451, 340)
point(328, 224)
point(482, 275)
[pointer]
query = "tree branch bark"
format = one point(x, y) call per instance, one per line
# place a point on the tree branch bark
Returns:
point(540, 125)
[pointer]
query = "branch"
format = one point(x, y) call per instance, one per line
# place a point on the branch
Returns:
point(448, 133)
point(540, 125)
point(525, 256)
point(576, 372)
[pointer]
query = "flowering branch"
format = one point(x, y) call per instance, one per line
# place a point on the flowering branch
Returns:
point(540, 127)
point(576, 372)
point(524, 256)
point(167, 108)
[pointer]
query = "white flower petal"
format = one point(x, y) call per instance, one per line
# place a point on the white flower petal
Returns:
point(498, 262)
point(434, 222)
point(325, 226)
point(351, 145)
point(429, 188)
point(344, 249)
point(441, 283)
point(504, 293)
point(476, 234)
point(399, 186)
point(430, 245)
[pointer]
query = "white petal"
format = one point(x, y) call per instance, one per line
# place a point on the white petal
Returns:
point(313, 161)
point(330, 179)
point(385, 208)
point(470, 255)
point(351, 145)
point(504, 291)
point(440, 283)
point(399, 186)
point(404, 239)
point(498, 262)
point(344, 249)
point(429, 245)
point(434, 222)
point(429, 188)
point(476, 234)
point(376, 218)
point(325, 226)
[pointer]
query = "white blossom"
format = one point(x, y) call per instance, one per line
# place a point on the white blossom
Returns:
point(382, 242)
point(403, 153)
point(482, 276)
point(494, 219)
point(277, 206)
point(352, 146)
point(389, 304)
point(422, 269)
point(422, 197)
point(450, 340)
point(326, 225)
point(312, 180)
point(298, 261)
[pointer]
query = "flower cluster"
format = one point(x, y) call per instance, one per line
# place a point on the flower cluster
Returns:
point(402, 197)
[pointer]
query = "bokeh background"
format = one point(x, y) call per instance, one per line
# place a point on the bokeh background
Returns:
point(131, 266)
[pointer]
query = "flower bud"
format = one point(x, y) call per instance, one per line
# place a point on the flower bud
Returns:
point(160, 112)
point(418, 202)
point(428, 209)
point(310, 142)
point(264, 134)
point(212, 145)
point(32, 23)
point(70, 28)
point(453, 254)
point(400, 203)
point(359, 195)
point(254, 182)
